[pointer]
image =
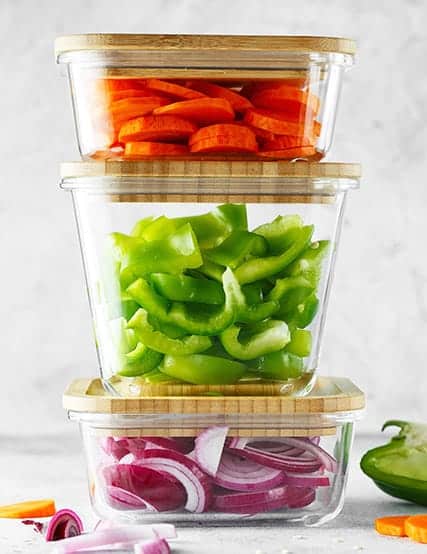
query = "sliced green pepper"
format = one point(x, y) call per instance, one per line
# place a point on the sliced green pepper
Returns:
point(261, 268)
point(169, 329)
point(236, 248)
point(304, 313)
point(277, 232)
point(141, 225)
point(278, 366)
point(156, 377)
point(258, 312)
point(173, 254)
point(257, 340)
point(183, 288)
point(140, 360)
point(290, 292)
point(300, 343)
point(309, 264)
point(201, 369)
point(399, 468)
point(253, 293)
point(211, 270)
point(156, 340)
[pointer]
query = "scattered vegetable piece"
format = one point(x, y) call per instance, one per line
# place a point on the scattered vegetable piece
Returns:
point(416, 528)
point(391, 525)
point(155, 546)
point(28, 509)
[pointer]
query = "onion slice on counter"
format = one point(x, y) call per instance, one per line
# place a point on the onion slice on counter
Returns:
point(163, 492)
point(196, 482)
point(208, 448)
point(126, 534)
point(240, 474)
point(157, 546)
point(65, 523)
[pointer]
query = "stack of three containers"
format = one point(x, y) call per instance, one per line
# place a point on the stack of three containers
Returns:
point(209, 230)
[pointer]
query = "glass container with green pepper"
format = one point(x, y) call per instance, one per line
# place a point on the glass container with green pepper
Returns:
point(209, 273)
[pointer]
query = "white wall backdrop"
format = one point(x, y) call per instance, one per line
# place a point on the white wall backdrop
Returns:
point(377, 327)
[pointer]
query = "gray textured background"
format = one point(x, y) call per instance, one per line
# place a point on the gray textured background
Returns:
point(377, 327)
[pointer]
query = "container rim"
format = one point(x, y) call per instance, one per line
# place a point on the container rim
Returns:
point(196, 43)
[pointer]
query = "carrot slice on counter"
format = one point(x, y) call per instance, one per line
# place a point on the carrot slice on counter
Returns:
point(416, 528)
point(393, 526)
point(173, 89)
point(201, 110)
point(238, 130)
point(274, 123)
point(30, 508)
point(156, 128)
point(149, 149)
point(291, 153)
point(286, 141)
point(238, 102)
point(287, 99)
point(130, 108)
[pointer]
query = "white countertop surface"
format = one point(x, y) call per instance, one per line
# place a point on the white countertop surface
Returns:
point(43, 467)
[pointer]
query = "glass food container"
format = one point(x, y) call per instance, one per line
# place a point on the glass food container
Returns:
point(209, 277)
point(217, 460)
point(204, 96)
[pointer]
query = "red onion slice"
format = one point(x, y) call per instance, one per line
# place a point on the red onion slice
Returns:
point(157, 546)
point(325, 459)
point(196, 483)
point(154, 488)
point(117, 449)
point(208, 448)
point(239, 474)
point(65, 523)
point(306, 480)
point(276, 461)
point(122, 499)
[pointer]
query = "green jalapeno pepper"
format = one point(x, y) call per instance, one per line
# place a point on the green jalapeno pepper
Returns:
point(202, 369)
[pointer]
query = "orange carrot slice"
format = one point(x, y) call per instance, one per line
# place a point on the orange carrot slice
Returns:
point(223, 144)
point(273, 123)
point(291, 153)
point(115, 95)
point(393, 526)
point(173, 89)
point(238, 102)
point(201, 110)
point(249, 89)
point(137, 150)
point(285, 141)
point(416, 528)
point(286, 99)
point(113, 153)
point(157, 128)
point(119, 84)
point(130, 108)
point(30, 508)
point(222, 129)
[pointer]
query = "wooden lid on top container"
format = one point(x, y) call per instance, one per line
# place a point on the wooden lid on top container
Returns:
point(203, 43)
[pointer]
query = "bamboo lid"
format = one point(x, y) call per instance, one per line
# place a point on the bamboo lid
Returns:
point(230, 169)
point(204, 43)
point(330, 395)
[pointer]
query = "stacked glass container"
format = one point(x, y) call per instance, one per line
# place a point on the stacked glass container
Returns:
point(209, 231)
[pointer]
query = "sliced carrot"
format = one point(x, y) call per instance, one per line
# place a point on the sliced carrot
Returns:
point(157, 128)
point(391, 525)
point(224, 130)
point(274, 124)
point(237, 101)
point(416, 528)
point(287, 99)
point(257, 86)
point(113, 153)
point(119, 84)
point(224, 144)
point(130, 108)
point(291, 153)
point(173, 89)
point(286, 141)
point(201, 110)
point(30, 508)
point(115, 95)
point(149, 149)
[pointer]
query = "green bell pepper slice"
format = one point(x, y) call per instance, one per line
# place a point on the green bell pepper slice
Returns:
point(276, 233)
point(236, 248)
point(183, 288)
point(309, 264)
point(211, 270)
point(141, 225)
point(209, 320)
point(257, 340)
point(156, 377)
point(140, 360)
point(253, 293)
point(258, 312)
point(261, 268)
point(399, 468)
point(300, 344)
point(279, 366)
point(201, 369)
point(158, 341)
point(290, 292)
point(303, 314)
point(173, 254)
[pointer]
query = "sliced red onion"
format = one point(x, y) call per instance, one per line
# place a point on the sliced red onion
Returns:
point(157, 546)
point(302, 497)
point(117, 449)
point(65, 523)
point(240, 474)
point(237, 442)
point(276, 461)
point(154, 488)
point(209, 447)
point(124, 500)
point(306, 479)
point(125, 534)
point(136, 446)
point(196, 483)
point(324, 458)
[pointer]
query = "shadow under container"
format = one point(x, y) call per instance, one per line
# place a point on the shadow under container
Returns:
point(198, 96)
point(209, 276)
point(217, 461)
